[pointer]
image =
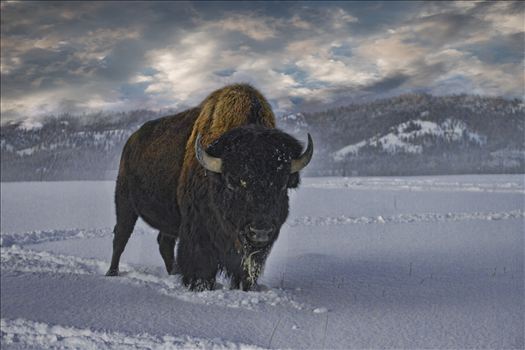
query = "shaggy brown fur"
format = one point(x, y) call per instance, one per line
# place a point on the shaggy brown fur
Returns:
point(223, 110)
point(147, 182)
point(161, 181)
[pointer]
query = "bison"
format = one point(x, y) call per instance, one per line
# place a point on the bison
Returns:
point(215, 177)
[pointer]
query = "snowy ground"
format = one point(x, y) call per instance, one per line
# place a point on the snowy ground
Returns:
point(416, 262)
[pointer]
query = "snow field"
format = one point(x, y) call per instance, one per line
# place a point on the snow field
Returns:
point(423, 262)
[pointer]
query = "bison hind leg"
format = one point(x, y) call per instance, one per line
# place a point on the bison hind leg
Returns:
point(126, 219)
point(112, 272)
point(167, 251)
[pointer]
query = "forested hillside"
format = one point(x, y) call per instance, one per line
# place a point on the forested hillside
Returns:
point(418, 134)
point(68, 147)
point(407, 135)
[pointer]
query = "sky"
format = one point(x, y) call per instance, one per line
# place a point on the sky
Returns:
point(74, 57)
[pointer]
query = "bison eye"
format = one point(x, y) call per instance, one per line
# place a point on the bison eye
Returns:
point(243, 183)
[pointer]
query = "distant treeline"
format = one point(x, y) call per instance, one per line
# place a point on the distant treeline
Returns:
point(500, 124)
point(88, 147)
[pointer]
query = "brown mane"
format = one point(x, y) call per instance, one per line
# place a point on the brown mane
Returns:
point(223, 110)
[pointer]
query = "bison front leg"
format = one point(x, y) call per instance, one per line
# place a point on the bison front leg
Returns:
point(198, 266)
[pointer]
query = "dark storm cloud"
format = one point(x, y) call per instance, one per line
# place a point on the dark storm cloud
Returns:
point(225, 72)
point(443, 28)
point(387, 84)
point(79, 55)
point(59, 45)
point(38, 69)
point(125, 58)
point(487, 7)
point(508, 48)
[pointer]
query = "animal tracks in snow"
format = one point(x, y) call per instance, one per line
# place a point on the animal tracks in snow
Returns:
point(450, 184)
point(383, 269)
point(30, 334)
point(17, 259)
point(41, 236)
point(36, 237)
point(405, 218)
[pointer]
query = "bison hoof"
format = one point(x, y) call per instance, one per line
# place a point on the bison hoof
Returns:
point(260, 288)
point(248, 287)
point(112, 272)
point(201, 285)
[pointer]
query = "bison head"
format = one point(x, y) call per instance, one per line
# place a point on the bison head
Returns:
point(250, 170)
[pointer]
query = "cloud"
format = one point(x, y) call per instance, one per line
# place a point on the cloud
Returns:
point(257, 28)
point(340, 18)
point(506, 48)
point(387, 83)
point(109, 55)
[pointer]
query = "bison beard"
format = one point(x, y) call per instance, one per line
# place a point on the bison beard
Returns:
point(227, 205)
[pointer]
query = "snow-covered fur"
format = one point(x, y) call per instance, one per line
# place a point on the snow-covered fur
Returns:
point(161, 181)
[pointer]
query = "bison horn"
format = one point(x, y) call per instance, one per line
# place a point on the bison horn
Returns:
point(304, 159)
point(210, 163)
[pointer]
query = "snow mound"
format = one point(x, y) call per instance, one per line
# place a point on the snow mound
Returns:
point(415, 184)
point(35, 237)
point(8, 239)
point(320, 310)
point(245, 300)
point(405, 218)
point(30, 334)
point(17, 259)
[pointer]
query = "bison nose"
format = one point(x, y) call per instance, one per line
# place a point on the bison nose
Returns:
point(260, 234)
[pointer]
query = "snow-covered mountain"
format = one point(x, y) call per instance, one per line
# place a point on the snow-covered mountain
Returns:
point(67, 147)
point(411, 134)
point(420, 134)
